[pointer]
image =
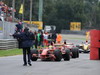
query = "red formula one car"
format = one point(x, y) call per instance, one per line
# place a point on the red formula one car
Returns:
point(55, 53)
point(74, 51)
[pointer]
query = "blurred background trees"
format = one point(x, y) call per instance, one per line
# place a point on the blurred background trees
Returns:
point(61, 12)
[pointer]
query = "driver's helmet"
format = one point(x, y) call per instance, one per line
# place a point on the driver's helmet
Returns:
point(65, 42)
point(50, 47)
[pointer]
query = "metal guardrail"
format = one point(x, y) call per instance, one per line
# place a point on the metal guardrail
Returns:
point(8, 44)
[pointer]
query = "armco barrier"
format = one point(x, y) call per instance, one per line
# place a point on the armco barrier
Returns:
point(8, 44)
point(9, 27)
point(95, 45)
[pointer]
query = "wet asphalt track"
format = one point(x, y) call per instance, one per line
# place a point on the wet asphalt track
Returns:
point(12, 65)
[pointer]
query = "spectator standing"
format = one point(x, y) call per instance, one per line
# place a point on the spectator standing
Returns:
point(59, 38)
point(27, 39)
point(33, 37)
point(54, 36)
point(19, 27)
point(38, 39)
point(41, 39)
point(46, 39)
point(49, 38)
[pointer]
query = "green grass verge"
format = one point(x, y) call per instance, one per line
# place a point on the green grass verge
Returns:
point(11, 52)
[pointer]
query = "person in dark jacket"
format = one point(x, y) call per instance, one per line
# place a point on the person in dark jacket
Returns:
point(41, 39)
point(49, 38)
point(54, 36)
point(19, 27)
point(36, 41)
point(27, 39)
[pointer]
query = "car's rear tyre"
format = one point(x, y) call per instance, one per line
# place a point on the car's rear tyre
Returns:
point(86, 51)
point(58, 55)
point(77, 49)
point(33, 58)
point(80, 51)
point(74, 53)
point(66, 56)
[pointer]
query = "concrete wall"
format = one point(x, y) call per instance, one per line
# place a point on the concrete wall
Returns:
point(7, 28)
point(1, 30)
point(1, 35)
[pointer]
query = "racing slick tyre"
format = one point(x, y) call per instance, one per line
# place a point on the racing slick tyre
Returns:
point(77, 49)
point(85, 51)
point(80, 51)
point(74, 53)
point(66, 56)
point(35, 52)
point(58, 55)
